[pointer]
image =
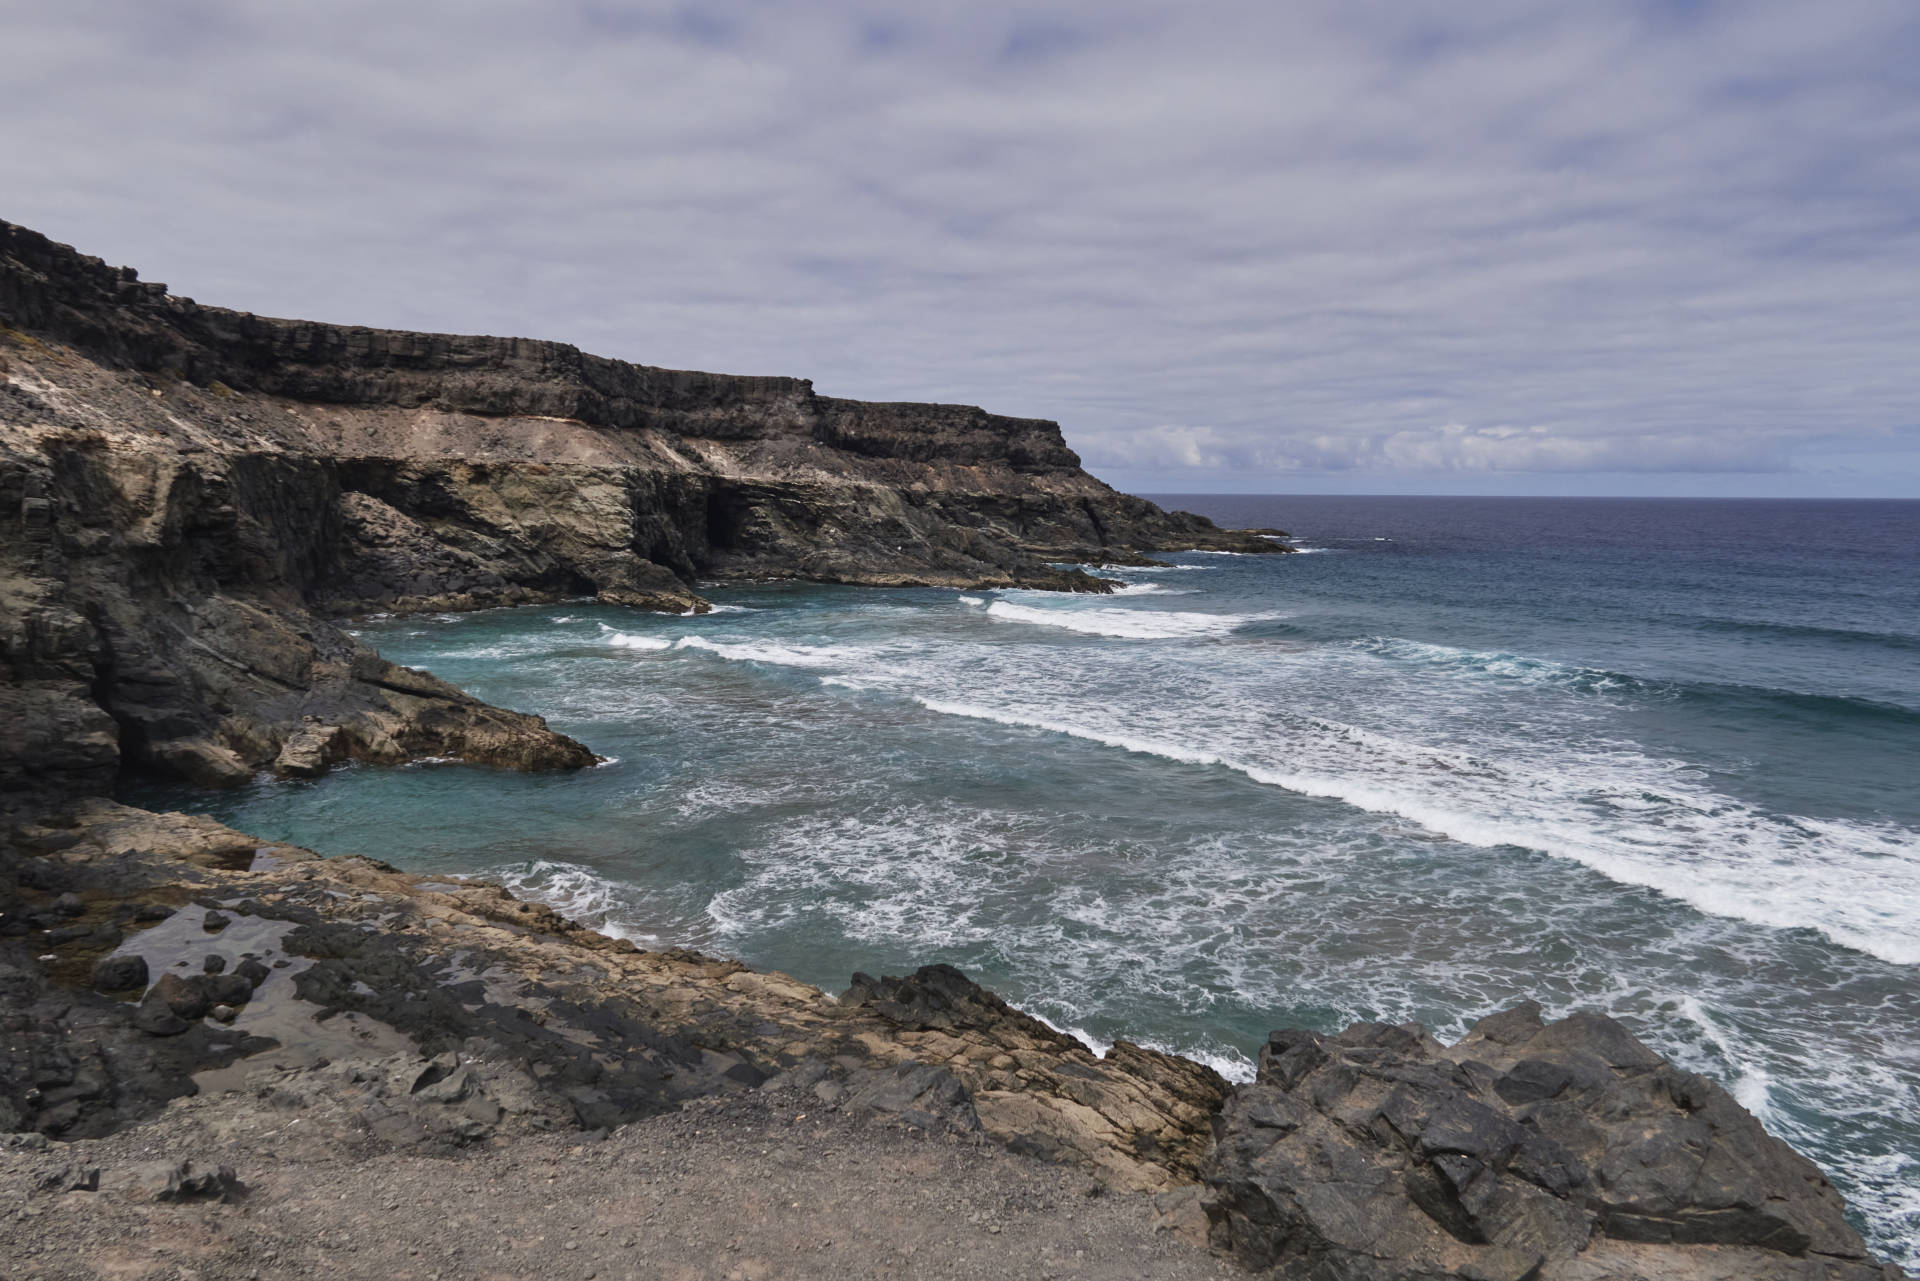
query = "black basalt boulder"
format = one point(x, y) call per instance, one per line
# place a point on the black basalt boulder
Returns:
point(120, 973)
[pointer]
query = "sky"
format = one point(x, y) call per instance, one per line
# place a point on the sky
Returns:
point(1612, 247)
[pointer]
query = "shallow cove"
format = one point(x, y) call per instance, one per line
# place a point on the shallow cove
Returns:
point(1650, 758)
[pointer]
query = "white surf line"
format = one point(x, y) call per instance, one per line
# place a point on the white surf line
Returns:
point(1771, 893)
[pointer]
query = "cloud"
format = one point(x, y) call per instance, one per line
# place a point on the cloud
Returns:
point(1452, 448)
point(1354, 238)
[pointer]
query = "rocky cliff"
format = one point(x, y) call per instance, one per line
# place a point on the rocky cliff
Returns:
point(189, 494)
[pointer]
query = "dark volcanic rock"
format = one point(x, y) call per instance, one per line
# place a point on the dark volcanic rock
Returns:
point(939, 997)
point(920, 1095)
point(120, 973)
point(78, 1065)
point(1527, 1152)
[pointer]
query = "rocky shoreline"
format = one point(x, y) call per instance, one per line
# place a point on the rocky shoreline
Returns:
point(191, 495)
point(200, 1028)
point(158, 962)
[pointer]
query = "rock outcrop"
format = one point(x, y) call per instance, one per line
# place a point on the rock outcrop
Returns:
point(1529, 1151)
point(438, 1011)
point(391, 1011)
point(188, 494)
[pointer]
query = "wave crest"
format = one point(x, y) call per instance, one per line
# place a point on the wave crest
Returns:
point(1127, 624)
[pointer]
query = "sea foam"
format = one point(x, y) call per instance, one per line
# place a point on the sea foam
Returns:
point(1124, 623)
point(627, 640)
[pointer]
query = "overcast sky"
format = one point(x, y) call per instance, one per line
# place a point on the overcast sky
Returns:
point(1665, 247)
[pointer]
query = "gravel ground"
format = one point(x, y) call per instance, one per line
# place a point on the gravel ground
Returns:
point(750, 1188)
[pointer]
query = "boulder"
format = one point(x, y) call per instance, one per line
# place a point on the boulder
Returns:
point(252, 971)
point(178, 1181)
point(311, 751)
point(1529, 1151)
point(71, 1176)
point(187, 998)
point(120, 973)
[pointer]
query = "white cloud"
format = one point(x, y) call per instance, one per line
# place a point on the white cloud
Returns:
point(1407, 237)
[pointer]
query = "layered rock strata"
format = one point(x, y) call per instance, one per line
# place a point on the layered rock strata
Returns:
point(188, 494)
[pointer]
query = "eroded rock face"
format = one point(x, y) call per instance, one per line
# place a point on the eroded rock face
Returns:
point(151, 618)
point(1140, 1117)
point(1527, 1152)
point(187, 494)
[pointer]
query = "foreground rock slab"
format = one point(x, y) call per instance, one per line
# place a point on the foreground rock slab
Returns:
point(340, 1010)
point(1529, 1151)
point(758, 1186)
point(440, 1013)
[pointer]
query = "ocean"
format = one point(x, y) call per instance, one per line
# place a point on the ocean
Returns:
point(1658, 758)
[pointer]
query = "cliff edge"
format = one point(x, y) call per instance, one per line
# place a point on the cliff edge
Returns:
point(189, 494)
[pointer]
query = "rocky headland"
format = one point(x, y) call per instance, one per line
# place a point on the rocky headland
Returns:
point(224, 1057)
point(190, 495)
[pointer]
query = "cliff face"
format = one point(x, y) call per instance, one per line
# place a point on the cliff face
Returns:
point(188, 493)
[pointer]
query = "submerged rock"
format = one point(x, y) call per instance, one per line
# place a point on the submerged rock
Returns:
point(1528, 1151)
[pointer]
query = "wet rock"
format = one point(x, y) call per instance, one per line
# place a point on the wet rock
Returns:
point(80, 1064)
point(225, 989)
point(186, 997)
point(120, 973)
point(214, 922)
point(155, 1019)
point(214, 963)
point(252, 971)
point(1381, 1155)
point(69, 904)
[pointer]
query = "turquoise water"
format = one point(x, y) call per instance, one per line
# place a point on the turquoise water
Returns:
point(1655, 758)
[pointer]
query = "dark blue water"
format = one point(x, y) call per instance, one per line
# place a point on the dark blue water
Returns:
point(1651, 757)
